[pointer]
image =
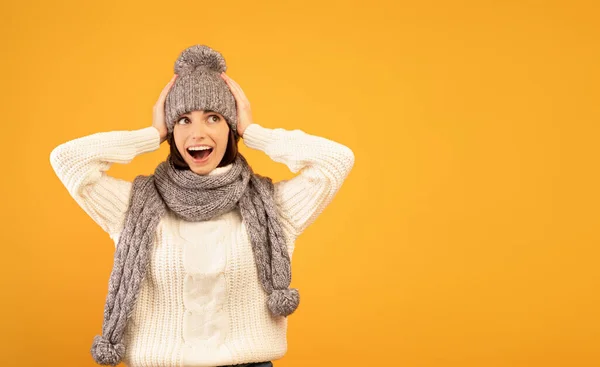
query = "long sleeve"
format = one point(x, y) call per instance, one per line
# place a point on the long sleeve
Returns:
point(323, 165)
point(81, 166)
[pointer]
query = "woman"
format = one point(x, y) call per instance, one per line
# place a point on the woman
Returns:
point(203, 246)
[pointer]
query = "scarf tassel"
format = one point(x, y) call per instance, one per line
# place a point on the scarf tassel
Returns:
point(282, 302)
point(106, 353)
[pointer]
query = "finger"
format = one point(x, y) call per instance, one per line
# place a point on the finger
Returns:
point(167, 87)
point(235, 89)
point(227, 80)
point(233, 83)
point(225, 77)
point(229, 84)
point(239, 90)
point(170, 82)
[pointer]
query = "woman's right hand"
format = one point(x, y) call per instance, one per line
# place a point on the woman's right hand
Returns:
point(158, 114)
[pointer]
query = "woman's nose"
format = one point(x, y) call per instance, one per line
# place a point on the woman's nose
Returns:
point(198, 130)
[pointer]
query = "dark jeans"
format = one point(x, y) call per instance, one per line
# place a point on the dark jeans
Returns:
point(259, 364)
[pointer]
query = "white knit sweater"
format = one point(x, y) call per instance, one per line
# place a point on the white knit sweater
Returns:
point(201, 303)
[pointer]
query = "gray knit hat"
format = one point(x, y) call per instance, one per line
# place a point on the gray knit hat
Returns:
point(199, 86)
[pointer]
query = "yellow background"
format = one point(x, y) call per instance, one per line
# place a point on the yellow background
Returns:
point(466, 234)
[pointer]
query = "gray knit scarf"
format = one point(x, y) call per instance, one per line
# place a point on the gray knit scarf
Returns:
point(193, 197)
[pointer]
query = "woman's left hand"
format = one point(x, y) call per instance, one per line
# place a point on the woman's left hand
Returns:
point(244, 114)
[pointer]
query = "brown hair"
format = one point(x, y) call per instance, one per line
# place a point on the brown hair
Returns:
point(229, 157)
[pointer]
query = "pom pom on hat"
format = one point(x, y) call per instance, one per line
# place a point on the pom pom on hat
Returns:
point(198, 56)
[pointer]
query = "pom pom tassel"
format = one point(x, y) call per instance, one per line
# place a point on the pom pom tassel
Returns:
point(106, 353)
point(282, 302)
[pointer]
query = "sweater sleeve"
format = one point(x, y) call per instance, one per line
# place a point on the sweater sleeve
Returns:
point(323, 165)
point(81, 166)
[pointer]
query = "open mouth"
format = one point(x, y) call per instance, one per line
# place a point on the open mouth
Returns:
point(200, 155)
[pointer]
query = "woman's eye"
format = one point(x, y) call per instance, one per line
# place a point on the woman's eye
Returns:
point(181, 119)
point(217, 118)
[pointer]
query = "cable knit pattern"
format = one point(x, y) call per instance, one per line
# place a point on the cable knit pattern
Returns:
point(201, 303)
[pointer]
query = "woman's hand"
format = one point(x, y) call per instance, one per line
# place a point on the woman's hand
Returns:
point(244, 114)
point(158, 114)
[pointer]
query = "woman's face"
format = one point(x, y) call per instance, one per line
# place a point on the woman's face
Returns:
point(201, 139)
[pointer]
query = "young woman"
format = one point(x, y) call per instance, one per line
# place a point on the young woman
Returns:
point(202, 268)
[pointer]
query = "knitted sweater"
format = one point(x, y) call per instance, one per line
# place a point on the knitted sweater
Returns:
point(201, 303)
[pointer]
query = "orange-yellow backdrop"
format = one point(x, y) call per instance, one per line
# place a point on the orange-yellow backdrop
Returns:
point(466, 234)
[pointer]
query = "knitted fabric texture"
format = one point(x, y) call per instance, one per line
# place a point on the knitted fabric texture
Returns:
point(193, 197)
point(199, 86)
